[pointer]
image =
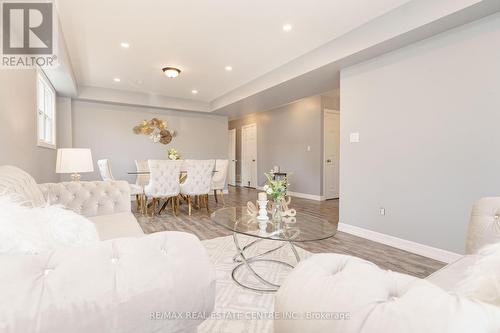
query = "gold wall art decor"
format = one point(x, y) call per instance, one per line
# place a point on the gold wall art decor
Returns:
point(156, 129)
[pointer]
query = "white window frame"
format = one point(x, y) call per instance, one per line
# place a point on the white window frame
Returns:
point(45, 112)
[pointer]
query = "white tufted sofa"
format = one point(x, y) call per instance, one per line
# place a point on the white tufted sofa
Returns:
point(116, 285)
point(107, 204)
point(337, 293)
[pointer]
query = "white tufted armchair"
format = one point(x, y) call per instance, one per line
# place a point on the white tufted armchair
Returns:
point(125, 283)
point(219, 178)
point(376, 300)
point(198, 181)
point(332, 293)
point(484, 226)
point(164, 183)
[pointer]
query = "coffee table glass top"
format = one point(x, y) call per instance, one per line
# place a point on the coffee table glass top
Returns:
point(301, 228)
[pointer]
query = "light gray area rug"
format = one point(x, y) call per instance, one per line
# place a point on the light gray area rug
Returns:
point(238, 310)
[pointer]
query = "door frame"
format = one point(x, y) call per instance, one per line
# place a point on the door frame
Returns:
point(232, 132)
point(242, 184)
point(323, 159)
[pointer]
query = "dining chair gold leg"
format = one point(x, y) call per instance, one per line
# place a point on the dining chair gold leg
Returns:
point(144, 207)
point(206, 202)
point(164, 206)
point(189, 205)
point(173, 205)
point(153, 207)
point(183, 197)
point(222, 196)
point(215, 196)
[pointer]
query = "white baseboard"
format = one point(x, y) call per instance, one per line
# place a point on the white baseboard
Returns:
point(403, 244)
point(301, 195)
point(307, 196)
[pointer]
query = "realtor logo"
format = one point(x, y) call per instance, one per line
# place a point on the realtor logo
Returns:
point(28, 33)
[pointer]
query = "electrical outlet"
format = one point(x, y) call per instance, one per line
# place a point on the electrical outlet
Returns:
point(354, 137)
point(382, 211)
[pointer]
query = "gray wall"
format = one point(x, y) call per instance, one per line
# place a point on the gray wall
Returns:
point(18, 131)
point(283, 135)
point(428, 117)
point(107, 130)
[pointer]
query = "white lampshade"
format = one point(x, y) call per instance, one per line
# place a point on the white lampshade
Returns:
point(74, 160)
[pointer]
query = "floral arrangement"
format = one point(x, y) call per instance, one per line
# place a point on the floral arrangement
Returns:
point(173, 154)
point(156, 129)
point(276, 188)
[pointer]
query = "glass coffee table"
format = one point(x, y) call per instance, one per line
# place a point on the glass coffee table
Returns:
point(301, 228)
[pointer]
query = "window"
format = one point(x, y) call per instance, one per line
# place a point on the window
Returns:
point(46, 112)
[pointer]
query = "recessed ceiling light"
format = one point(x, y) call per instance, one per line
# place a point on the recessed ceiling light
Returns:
point(116, 79)
point(171, 72)
point(125, 45)
point(228, 68)
point(194, 91)
point(287, 27)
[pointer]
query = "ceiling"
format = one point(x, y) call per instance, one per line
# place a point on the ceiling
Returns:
point(201, 38)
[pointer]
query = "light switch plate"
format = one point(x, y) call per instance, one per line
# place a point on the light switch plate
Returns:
point(354, 137)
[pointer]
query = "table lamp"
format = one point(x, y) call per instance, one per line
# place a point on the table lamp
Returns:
point(74, 161)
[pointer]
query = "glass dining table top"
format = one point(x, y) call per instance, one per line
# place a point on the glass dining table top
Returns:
point(300, 228)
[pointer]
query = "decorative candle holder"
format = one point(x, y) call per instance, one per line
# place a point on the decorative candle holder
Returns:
point(262, 218)
point(262, 210)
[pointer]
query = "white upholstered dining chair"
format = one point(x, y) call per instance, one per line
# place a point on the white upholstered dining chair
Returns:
point(198, 181)
point(163, 183)
point(219, 178)
point(142, 179)
point(107, 175)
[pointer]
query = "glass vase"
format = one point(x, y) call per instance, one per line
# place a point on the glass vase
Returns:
point(277, 210)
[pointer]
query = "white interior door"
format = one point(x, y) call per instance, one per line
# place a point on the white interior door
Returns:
point(249, 155)
point(231, 176)
point(331, 154)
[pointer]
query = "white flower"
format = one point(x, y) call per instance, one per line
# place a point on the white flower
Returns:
point(266, 187)
point(269, 191)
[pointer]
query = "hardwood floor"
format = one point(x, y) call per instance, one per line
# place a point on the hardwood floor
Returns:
point(384, 256)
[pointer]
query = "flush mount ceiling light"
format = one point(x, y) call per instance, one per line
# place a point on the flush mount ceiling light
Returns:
point(171, 72)
point(116, 79)
point(194, 91)
point(228, 68)
point(125, 45)
point(287, 27)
